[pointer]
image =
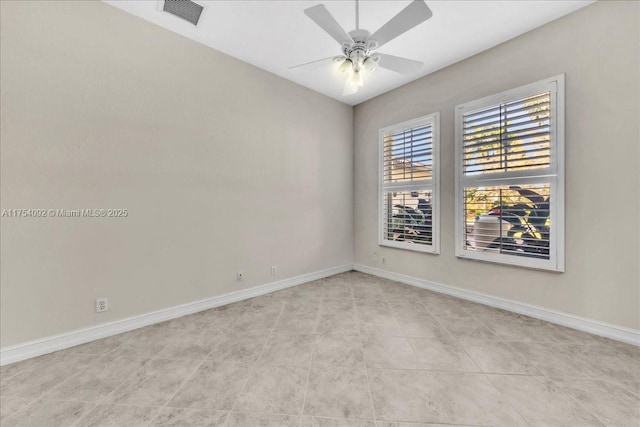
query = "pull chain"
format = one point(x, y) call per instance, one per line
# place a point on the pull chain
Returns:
point(357, 16)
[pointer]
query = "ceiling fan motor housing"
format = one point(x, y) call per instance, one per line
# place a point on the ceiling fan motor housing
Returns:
point(360, 50)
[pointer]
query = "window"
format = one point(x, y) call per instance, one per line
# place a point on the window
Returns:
point(510, 177)
point(409, 185)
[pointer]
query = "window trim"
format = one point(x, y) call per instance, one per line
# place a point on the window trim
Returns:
point(554, 175)
point(434, 184)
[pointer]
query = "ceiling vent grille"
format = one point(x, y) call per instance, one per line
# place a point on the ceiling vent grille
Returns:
point(185, 9)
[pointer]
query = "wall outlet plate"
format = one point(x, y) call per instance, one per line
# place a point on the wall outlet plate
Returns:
point(102, 304)
point(239, 276)
point(274, 270)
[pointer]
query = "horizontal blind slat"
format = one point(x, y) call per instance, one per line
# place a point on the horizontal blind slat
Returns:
point(407, 217)
point(509, 136)
point(499, 116)
point(500, 219)
point(407, 154)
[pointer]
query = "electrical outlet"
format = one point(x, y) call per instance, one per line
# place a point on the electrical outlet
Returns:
point(274, 270)
point(102, 304)
point(375, 257)
point(384, 261)
point(239, 276)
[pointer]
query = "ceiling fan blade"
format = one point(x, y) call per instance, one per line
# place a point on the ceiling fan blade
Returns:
point(398, 64)
point(321, 16)
point(316, 63)
point(416, 13)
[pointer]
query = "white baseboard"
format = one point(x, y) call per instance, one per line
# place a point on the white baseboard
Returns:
point(46, 345)
point(50, 344)
point(619, 333)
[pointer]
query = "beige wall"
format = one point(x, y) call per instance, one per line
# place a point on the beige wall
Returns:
point(222, 167)
point(598, 49)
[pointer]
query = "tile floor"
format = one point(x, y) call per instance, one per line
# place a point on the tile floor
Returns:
point(351, 350)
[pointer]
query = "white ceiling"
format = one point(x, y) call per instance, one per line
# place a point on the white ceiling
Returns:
point(275, 35)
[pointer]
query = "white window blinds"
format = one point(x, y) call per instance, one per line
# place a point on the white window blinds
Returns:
point(510, 177)
point(408, 154)
point(408, 185)
point(513, 135)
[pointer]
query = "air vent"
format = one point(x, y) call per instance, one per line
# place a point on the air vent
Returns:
point(185, 9)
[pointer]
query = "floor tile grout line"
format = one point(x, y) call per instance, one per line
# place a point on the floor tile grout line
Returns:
point(114, 404)
point(408, 339)
point(148, 362)
point(635, 392)
point(254, 366)
point(522, 356)
point(578, 402)
point(135, 371)
point(24, 408)
point(44, 393)
point(315, 345)
point(224, 335)
point(460, 346)
point(228, 416)
point(541, 373)
point(612, 346)
point(456, 341)
point(415, 353)
point(481, 371)
point(178, 389)
point(98, 359)
point(112, 351)
point(506, 398)
point(204, 360)
point(364, 362)
point(288, 414)
point(306, 388)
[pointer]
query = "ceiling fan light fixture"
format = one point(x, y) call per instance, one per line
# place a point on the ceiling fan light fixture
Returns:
point(369, 64)
point(346, 65)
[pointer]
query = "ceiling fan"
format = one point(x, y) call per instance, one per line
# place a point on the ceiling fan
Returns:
point(359, 45)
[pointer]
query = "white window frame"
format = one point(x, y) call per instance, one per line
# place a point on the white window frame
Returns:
point(432, 184)
point(553, 175)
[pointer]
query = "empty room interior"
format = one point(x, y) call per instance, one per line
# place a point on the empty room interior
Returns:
point(302, 213)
